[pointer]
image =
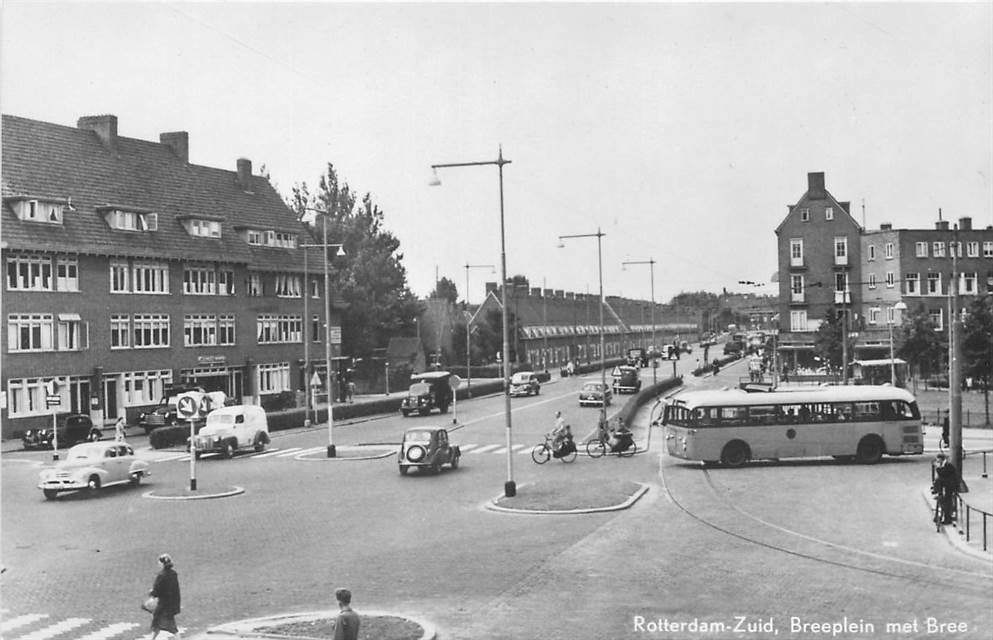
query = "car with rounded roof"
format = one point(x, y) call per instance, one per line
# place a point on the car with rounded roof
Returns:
point(427, 449)
point(524, 383)
point(595, 394)
point(72, 428)
point(91, 466)
point(232, 429)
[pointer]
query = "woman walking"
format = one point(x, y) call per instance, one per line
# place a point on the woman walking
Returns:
point(166, 589)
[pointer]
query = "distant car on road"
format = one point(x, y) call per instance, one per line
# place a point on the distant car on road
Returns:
point(427, 449)
point(166, 414)
point(228, 429)
point(428, 391)
point(637, 357)
point(73, 428)
point(524, 383)
point(626, 379)
point(595, 394)
point(92, 465)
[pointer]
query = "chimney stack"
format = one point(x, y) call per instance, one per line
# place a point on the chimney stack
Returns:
point(491, 287)
point(965, 224)
point(886, 226)
point(941, 225)
point(815, 186)
point(245, 174)
point(104, 126)
point(179, 142)
point(548, 293)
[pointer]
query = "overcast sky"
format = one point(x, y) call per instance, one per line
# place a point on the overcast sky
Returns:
point(680, 130)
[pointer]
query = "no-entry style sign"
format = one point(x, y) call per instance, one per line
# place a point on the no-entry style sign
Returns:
point(187, 407)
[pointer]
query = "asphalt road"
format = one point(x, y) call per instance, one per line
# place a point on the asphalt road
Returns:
point(813, 540)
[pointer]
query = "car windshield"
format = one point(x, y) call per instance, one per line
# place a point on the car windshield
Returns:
point(419, 388)
point(418, 436)
point(85, 452)
point(521, 378)
point(591, 386)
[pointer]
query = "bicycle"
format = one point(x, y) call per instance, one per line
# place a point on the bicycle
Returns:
point(599, 447)
point(543, 452)
point(939, 513)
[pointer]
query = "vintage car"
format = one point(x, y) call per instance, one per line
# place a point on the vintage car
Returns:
point(427, 448)
point(165, 413)
point(73, 428)
point(231, 429)
point(524, 383)
point(626, 379)
point(594, 394)
point(92, 465)
point(428, 391)
point(637, 357)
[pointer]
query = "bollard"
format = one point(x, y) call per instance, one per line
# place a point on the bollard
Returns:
point(984, 464)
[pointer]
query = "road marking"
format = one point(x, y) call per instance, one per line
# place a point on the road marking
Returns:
point(277, 452)
point(20, 621)
point(466, 447)
point(110, 631)
point(307, 452)
point(485, 448)
point(55, 629)
point(181, 456)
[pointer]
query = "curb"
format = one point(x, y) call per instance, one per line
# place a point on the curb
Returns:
point(234, 491)
point(957, 537)
point(493, 506)
point(244, 628)
point(314, 457)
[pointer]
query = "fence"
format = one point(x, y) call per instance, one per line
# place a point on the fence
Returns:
point(976, 521)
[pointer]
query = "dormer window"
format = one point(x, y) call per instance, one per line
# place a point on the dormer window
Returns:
point(202, 226)
point(269, 238)
point(129, 219)
point(38, 209)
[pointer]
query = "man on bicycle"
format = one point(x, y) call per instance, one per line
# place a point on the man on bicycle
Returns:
point(945, 487)
point(621, 438)
point(560, 431)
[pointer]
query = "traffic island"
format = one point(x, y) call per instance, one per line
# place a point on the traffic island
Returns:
point(549, 497)
point(185, 493)
point(350, 453)
point(320, 626)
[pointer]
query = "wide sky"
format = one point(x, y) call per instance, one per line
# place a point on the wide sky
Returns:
point(682, 131)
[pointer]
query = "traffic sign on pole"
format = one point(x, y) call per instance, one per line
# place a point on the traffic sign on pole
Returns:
point(187, 407)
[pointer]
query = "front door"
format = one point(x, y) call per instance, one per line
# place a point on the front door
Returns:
point(110, 398)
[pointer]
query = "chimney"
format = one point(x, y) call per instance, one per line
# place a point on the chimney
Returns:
point(560, 293)
point(536, 292)
point(548, 293)
point(965, 224)
point(941, 225)
point(179, 142)
point(104, 126)
point(886, 226)
point(245, 174)
point(815, 186)
point(491, 287)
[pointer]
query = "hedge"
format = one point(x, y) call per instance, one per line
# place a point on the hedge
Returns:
point(646, 395)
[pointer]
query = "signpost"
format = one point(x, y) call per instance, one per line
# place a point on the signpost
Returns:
point(315, 384)
point(53, 401)
point(454, 383)
point(188, 408)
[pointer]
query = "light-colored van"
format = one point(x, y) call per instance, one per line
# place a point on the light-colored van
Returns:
point(230, 429)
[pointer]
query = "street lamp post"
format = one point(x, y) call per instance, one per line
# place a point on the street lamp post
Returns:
point(468, 327)
point(651, 263)
point(509, 487)
point(327, 321)
point(603, 359)
point(891, 318)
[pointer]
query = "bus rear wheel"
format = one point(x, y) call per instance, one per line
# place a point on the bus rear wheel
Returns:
point(870, 450)
point(735, 454)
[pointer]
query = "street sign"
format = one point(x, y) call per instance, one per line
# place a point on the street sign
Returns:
point(186, 406)
point(454, 382)
point(315, 380)
point(53, 400)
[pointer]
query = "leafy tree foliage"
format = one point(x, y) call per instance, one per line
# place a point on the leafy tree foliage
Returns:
point(827, 340)
point(977, 341)
point(446, 289)
point(371, 278)
point(920, 345)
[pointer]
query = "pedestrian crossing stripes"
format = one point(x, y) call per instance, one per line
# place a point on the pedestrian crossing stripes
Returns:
point(54, 630)
point(20, 621)
point(33, 626)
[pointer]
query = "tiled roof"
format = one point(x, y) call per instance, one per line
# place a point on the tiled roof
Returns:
point(56, 161)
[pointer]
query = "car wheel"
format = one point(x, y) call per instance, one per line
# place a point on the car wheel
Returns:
point(259, 445)
point(50, 493)
point(735, 453)
point(424, 412)
point(228, 450)
point(197, 455)
point(95, 435)
point(870, 450)
point(136, 479)
point(93, 484)
point(630, 451)
point(403, 469)
point(455, 462)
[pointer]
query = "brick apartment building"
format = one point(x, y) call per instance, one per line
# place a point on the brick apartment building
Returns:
point(129, 268)
point(829, 263)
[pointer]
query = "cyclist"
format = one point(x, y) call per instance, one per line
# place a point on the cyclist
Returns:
point(945, 486)
point(564, 444)
point(559, 432)
point(621, 438)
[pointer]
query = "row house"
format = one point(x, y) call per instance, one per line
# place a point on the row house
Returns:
point(128, 268)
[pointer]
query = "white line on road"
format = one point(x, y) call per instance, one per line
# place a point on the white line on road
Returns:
point(20, 621)
point(110, 631)
point(55, 629)
point(485, 448)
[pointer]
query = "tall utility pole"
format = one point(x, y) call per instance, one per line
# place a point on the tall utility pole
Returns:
point(954, 373)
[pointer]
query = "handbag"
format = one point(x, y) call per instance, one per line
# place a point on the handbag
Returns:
point(150, 603)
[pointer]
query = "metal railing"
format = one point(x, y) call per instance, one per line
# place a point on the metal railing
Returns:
point(963, 507)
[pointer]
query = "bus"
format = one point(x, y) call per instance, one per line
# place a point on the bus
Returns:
point(732, 426)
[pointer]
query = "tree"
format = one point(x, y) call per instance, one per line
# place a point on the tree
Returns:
point(921, 346)
point(370, 278)
point(489, 338)
point(445, 289)
point(827, 340)
point(977, 345)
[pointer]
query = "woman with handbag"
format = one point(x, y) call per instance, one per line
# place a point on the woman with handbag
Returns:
point(166, 591)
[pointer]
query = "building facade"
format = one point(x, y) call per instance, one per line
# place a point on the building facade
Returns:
point(128, 268)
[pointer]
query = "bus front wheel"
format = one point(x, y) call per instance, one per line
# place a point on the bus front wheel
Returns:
point(870, 450)
point(735, 454)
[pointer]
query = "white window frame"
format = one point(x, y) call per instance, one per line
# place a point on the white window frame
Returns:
point(937, 317)
point(798, 321)
point(120, 331)
point(874, 315)
point(888, 250)
point(226, 335)
point(279, 329)
point(938, 249)
point(967, 283)
point(796, 252)
point(288, 285)
point(150, 331)
point(972, 249)
point(31, 272)
point(199, 280)
point(225, 282)
point(151, 278)
point(200, 330)
point(890, 280)
point(871, 282)
point(841, 250)
point(796, 288)
point(913, 282)
point(920, 249)
point(933, 278)
point(72, 333)
point(988, 248)
point(829, 213)
point(142, 387)
point(254, 284)
point(805, 215)
point(273, 377)
point(37, 328)
point(872, 253)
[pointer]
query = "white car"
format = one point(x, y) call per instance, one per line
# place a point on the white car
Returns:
point(229, 429)
point(93, 465)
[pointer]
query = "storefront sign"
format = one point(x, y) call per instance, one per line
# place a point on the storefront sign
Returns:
point(211, 359)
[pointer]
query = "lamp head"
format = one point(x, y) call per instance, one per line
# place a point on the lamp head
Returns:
point(560, 245)
point(435, 181)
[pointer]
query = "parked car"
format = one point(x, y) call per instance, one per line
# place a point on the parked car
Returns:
point(92, 465)
point(73, 428)
point(231, 429)
point(626, 379)
point(428, 391)
point(165, 413)
point(524, 383)
point(427, 448)
point(595, 394)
